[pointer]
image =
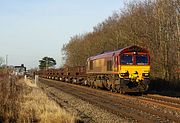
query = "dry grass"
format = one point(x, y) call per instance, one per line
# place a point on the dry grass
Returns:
point(24, 102)
point(9, 95)
point(37, 107)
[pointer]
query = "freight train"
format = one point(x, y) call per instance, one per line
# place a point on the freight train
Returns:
point(124, 70)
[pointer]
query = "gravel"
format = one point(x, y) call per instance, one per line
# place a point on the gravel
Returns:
point(86, 112)
point(90, 113)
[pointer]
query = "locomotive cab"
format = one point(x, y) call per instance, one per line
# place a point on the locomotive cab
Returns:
point(134, 68)
point(125, 70)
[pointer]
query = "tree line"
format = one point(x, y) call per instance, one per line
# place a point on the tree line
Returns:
point(152, 24)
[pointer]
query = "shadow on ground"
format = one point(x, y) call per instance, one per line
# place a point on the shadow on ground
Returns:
point(164, 88)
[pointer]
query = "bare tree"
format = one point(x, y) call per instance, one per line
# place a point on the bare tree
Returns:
point(153, 24)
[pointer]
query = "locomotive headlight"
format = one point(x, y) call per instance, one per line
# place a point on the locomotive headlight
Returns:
point(145, 74)
point(124, 73)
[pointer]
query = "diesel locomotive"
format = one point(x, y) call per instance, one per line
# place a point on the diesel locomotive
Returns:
point(124, 70)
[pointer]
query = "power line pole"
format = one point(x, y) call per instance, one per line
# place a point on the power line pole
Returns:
point(6, 68)
point(6, 61)
point(46, 63)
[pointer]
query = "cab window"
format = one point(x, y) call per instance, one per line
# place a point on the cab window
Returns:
point(141, 59)
point(126, 59)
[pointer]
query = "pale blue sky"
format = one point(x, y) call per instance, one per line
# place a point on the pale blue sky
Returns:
point(32, 29)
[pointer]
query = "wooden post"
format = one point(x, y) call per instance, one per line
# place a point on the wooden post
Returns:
point(36, 79)
point(25, 78)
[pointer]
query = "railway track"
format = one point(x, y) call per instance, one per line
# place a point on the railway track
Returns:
point(161, 101)
point(175, 101)
point(136, 108)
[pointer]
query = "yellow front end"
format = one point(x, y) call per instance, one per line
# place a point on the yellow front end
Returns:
point(134, 72)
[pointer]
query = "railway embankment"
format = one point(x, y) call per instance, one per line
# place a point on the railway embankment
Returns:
point(23, 101)
point(9, 97)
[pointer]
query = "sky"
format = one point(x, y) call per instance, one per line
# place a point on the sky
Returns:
point(32, 29)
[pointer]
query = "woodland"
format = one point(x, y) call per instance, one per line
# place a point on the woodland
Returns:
point(152, 24)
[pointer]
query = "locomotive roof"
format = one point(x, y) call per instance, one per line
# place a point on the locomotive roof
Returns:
point(133, 48)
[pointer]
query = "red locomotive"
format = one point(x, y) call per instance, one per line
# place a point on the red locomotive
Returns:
point(124, 70)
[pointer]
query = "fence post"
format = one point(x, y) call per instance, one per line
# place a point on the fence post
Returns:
point(25, 78)
point(36, 79)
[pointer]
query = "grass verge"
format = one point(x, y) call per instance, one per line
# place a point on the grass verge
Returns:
point(22, 101)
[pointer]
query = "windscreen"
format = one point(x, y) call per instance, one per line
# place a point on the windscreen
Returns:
point(141, 59)
point(126, 59)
